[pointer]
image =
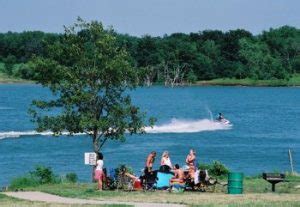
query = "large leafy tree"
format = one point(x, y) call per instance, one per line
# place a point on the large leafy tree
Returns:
point(260, 64)
point(284, 42)
point(89, 76)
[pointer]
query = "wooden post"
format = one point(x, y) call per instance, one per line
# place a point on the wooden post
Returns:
point(291, 161)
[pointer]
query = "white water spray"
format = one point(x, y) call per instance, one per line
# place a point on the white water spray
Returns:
point(188, 126)
point(174, 126)
point(16, 134)
point(209, 113)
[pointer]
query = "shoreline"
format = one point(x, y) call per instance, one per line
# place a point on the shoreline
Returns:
point(5, 79)
point(294, 81)
point(16, 82)
point(199, 84)
point(204, 83)
point(227, 82)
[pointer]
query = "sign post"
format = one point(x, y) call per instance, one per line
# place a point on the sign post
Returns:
point(90, 158)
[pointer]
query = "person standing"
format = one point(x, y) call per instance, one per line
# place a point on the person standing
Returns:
point(99, 174)
point(191, 163)
point(149, 162)
point(165, 160)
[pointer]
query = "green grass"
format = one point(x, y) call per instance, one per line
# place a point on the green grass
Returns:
point(293, 81)
point(257, 192)
point(254, 204)
point(258, 185)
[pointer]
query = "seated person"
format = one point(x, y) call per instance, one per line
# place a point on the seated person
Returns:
point(136, 181)
point(178, 175)
point(132, 177)
point(124, 172)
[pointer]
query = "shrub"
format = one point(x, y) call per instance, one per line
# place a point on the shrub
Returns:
point(71, 177)
point(204, 166)
point(23, 70)
point(219, 169)
point(191, 77)
point(22, 182)
point(216, 168)
point(41, 175)
point(44, 175)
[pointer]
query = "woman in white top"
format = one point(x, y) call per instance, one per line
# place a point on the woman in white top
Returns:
point(165, 159)
point(99, 175)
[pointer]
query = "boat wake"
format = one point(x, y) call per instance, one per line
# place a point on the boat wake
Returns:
point(16, 134)
point(175, 126)
point(188, 126)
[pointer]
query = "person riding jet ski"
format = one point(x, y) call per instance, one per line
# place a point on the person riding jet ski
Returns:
point(220, 117)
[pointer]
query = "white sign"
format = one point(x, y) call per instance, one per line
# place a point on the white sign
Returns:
point(90, 158)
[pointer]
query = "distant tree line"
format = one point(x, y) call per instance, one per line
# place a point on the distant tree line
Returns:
point(178, 58)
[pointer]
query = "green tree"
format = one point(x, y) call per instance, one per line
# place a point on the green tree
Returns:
point(191, 77)
point(285, 43)
point(259, 62)
point(9, 62)
point(178, 58)
point(89, 77)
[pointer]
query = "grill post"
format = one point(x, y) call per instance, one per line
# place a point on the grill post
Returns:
point(273, 187)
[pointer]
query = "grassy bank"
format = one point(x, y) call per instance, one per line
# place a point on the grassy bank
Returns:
point(7, 79)
point(293, 81)
point(257, 192)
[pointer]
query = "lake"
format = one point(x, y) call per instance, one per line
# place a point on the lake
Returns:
point(265, 124)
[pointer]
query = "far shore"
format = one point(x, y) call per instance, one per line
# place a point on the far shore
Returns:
point(294, 81)
point(5, 79)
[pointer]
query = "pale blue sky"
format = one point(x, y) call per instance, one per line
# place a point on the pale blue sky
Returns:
point(155, 17)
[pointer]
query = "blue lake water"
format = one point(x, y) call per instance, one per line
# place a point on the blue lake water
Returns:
point(265, 125)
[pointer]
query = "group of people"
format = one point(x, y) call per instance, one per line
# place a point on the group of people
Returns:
point(180, 174)
point(166, 165)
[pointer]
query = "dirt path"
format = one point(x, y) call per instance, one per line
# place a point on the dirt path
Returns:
point(49, 198)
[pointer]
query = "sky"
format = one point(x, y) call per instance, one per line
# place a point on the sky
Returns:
point(153, 17)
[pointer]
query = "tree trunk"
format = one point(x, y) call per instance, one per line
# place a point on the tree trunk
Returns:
point(96, 150)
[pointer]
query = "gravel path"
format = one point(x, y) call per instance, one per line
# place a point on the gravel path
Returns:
point(49, 198)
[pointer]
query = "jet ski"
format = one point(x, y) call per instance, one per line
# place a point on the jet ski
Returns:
point(223, 121)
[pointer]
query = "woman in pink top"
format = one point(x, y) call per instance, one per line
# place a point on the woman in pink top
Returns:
point(99, 175)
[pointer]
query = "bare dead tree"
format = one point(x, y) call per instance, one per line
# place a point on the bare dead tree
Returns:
point(175, 76)
point(149, 76)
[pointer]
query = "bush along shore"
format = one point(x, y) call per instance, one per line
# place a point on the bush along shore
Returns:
point(256, 190)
